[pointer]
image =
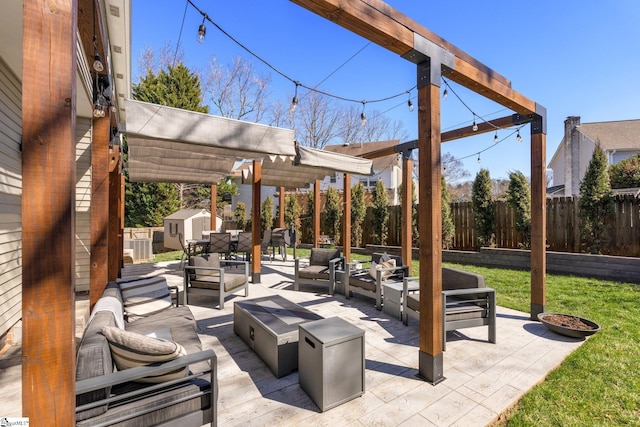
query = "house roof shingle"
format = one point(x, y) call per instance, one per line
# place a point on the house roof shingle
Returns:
point(617, 135)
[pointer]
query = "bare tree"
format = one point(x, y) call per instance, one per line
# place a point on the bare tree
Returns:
point(349, 126)
point(280, 115)
point(316, 120)
point(236, 90)
point(159, 60)
point(453, 169)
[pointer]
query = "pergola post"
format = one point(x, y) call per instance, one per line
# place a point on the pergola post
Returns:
point(99, 235)
point(281, 208)
point(316, 213)
point(115, 225)
point(346, 217)
point(256, 258)
point(538, 213)
point(406, 237)
point(48, 211)
point(430, 329)
point(214, 206)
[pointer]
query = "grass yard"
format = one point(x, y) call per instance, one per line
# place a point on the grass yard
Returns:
point(598, 384)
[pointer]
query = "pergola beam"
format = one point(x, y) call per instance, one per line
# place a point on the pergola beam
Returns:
point(380, 23)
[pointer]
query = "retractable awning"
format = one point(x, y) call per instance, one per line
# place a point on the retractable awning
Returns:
point(308, 165)
point(173, 145)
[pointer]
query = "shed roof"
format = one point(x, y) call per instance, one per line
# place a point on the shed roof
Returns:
point(187, 213)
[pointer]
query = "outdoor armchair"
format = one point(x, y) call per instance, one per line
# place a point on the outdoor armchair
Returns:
point(466, 302)
point(368, 281)
point(320, 270)
point(209, 275)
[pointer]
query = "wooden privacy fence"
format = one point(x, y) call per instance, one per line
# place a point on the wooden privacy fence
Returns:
point(563, 227)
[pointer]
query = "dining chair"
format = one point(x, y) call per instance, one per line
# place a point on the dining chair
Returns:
point(220, 243)
point(244, 244)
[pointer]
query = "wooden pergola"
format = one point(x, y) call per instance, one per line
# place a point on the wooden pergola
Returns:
point(435, 57)
point(52, 34)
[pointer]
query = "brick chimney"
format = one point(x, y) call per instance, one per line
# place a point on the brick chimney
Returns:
point(571, 156)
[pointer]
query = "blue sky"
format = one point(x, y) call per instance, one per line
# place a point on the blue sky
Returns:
point(576, 58)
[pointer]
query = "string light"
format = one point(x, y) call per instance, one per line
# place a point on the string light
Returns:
point(495, 138)
point(518, 137)
point(294, 101)
point(475, 125)
point(202, 30)
point(409, 103)
point(478, 157)
point(363, 118)
point(445, 94)
point(98, 66)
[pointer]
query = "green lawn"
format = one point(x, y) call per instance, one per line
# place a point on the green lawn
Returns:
point(599, 383)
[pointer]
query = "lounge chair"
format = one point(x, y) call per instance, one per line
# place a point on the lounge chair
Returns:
point(466, 302)
point(368, 281)
point(209, 275)
point(320, 270)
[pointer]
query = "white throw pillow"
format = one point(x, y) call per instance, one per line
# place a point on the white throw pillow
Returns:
point(385, 264)
point(129, 350)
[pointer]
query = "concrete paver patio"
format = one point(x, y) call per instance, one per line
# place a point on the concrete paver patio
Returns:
point(482, 379)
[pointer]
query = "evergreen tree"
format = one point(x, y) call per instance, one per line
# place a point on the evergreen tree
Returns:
point(240, 216)
point(626, 173)
point(266, 214)
point(333, 213)
point(146, 204)
point(358, 213)
point(596, 202)
point(448, 229)
point(292, 212)
point(483, 208)
point(380, 204)
point(519, 198)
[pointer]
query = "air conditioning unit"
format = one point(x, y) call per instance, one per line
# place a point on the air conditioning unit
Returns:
point(142, 249)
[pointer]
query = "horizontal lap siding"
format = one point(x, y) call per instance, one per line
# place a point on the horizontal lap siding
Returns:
point(83, 201)
point(10, 199)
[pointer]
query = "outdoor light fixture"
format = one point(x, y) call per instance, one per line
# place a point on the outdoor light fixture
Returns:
point(445, 94)
point(97, 62)
point(294, 101)
point(495, 138)
point(363, 118)
point(202, 30)
point(474, 126)
point(101, 103)
point(478, 157)
point(409, 103)
point(518, 137)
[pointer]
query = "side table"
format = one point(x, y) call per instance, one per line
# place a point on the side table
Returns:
point(392, 297)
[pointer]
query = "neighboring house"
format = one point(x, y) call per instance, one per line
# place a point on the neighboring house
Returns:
point(618, 139)
point(387, 168)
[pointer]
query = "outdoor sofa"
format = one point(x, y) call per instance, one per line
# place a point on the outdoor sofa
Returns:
point(466, 302)
point(138, 322)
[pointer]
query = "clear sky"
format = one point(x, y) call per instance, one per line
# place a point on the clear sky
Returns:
point(574, 57)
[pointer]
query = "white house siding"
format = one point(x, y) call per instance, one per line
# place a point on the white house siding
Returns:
point(10, 199)
point(83, 202)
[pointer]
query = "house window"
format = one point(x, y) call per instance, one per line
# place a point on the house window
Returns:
point(332, 179)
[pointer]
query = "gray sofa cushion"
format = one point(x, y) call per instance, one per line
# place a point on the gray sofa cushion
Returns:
point(94, 359)
point(322, 256)
point(314, 272)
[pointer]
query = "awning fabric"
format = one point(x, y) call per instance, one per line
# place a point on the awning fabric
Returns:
point(172, 145)
point(308, 165)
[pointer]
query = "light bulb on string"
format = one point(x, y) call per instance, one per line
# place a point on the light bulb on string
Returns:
point(202, 30)
point(445, 94)
point(363, 118)
point(495, 138)
point(478, 157)
point(474, 126)
point(294, 101)
point(518, 137)
point(409, 102)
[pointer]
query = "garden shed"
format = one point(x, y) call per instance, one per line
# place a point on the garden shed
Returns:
point(190, 223)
